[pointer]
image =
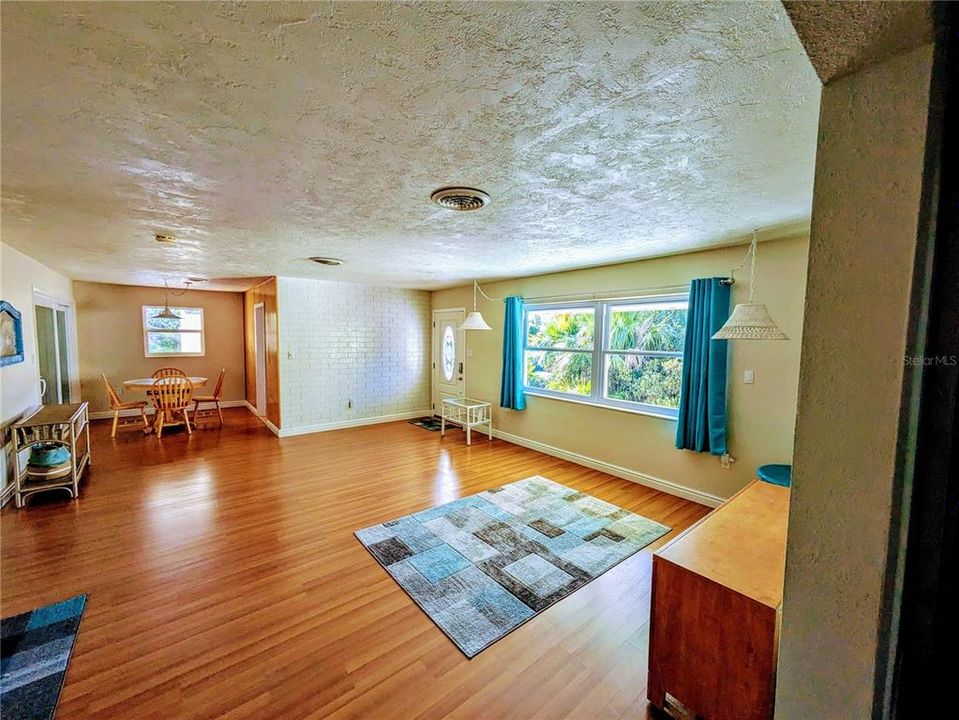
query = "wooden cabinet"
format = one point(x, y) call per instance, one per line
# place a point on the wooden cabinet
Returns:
point(716, 602)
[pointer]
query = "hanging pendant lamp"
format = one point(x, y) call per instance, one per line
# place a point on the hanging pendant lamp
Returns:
point(166, 313)
point(474, 321)
point(750, 321)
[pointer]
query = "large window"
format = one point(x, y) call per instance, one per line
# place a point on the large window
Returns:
point(169, 337)
point(623, 353)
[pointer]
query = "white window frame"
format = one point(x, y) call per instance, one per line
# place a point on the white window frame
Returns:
point(599, 352)
point(147, 330)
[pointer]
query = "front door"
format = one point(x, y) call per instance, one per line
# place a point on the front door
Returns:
point(449, 351)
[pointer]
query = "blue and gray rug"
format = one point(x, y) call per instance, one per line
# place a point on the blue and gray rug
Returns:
point(35, 649)
point(483, 565)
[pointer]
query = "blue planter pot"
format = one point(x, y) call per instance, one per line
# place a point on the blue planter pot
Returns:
point(49, 454)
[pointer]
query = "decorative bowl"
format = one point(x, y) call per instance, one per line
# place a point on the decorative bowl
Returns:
point(48, 454)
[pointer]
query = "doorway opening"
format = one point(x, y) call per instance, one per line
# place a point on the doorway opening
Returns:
point(56, 366)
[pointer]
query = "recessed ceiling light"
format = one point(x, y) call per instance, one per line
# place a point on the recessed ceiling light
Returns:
point(460, 199)
point(326, 261)
point(161, 238)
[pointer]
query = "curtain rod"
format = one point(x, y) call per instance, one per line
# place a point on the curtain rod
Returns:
point(608, 294)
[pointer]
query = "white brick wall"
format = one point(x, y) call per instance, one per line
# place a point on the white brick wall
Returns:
point(353, 342)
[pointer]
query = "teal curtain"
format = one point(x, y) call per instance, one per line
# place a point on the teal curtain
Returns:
point(702, 398)
point(511, 393)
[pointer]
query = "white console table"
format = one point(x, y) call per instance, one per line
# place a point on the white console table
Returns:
point(468, 414)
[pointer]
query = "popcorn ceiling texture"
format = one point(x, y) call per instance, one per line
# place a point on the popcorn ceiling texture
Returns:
point(263, 133)
point(353, 342)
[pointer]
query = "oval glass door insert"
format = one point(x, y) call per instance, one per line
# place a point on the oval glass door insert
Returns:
point(449, 353)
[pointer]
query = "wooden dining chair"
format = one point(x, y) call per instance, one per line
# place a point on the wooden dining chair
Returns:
point(213, 399)
point(117, 405)
point(165, 372)
point(172, 395)
point(168, 372)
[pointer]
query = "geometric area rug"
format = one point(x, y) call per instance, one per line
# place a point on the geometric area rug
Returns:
point(35, 648)
point(483, 565)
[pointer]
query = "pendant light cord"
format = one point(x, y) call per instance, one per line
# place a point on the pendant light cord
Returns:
point(476, 286)
point(186, 286)
point(749, 257)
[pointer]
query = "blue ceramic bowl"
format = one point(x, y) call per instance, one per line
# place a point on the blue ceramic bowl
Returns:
point(49, 454)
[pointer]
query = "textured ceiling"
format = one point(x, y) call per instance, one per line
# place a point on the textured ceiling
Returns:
point(841, 37)
point(263, 133)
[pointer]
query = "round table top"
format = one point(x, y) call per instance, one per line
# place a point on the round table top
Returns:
point(148, 382)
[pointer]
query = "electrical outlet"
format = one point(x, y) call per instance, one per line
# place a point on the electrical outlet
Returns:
point(726, 461)
point(289, 354)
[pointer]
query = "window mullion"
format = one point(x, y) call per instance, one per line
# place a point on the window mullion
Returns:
point(599, 343)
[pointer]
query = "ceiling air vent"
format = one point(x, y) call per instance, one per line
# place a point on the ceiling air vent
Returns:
point(460, 199)
point(332, 262)
point(162, 238)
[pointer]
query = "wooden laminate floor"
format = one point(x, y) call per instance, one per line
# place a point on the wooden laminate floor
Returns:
point(224, 581)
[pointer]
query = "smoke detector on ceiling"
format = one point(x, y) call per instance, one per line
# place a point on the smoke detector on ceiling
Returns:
point(330, 261)
point(460, 199)
point(161, 238)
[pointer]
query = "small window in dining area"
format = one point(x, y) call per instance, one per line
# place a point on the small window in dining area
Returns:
point(172, 336)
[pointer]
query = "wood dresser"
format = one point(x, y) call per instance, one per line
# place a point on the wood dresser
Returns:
point(716, 602)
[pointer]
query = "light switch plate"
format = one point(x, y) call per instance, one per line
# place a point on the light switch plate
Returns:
point(749, 377)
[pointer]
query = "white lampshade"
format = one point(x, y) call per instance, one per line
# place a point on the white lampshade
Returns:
point(750, 321)
point(474, 321)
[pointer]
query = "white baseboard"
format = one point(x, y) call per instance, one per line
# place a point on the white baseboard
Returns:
point(617, 470)
point(108, 414)
point(324, 427)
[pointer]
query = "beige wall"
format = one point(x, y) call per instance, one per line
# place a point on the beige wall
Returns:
point(865, 216)
point(761, 415)
point(20, 383)
point(110, 334)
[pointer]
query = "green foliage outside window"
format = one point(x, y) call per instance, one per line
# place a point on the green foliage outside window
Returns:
point(163, 337)
point(632, 375)
point(556, 368)
point(653, 380)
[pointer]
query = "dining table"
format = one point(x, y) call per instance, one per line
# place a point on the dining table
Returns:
point(147, 383)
